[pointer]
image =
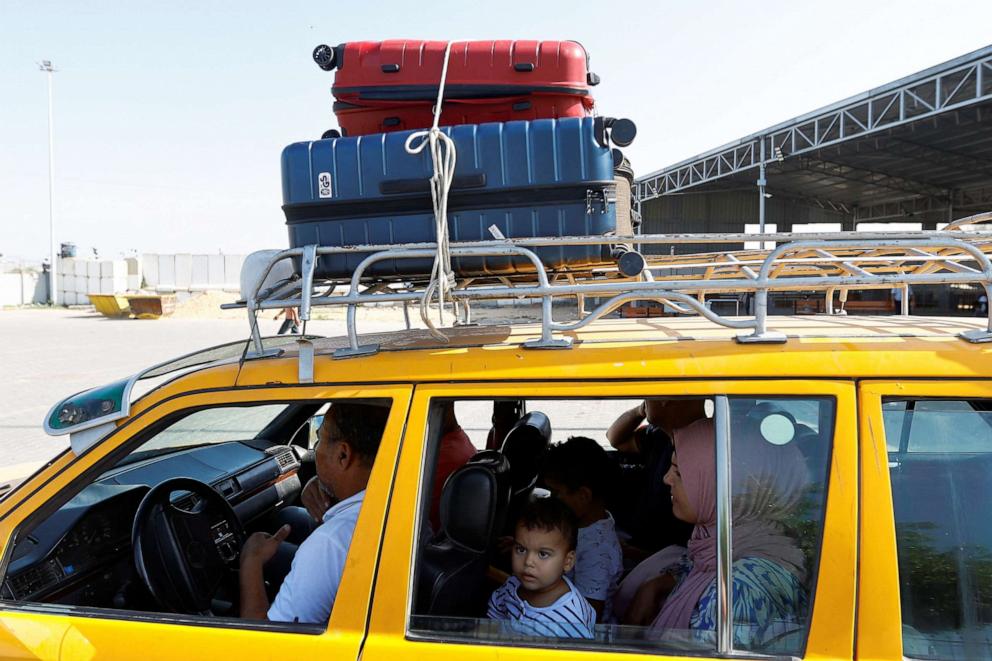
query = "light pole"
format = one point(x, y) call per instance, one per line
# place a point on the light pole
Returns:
point(46, 66)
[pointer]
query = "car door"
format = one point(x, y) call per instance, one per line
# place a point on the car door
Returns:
point(926, 550)
point(38, 630)
point(396, 631)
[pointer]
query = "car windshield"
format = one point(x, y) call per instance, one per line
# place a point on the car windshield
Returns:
point(216, 425)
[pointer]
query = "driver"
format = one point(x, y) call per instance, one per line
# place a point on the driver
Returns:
point(348, 440)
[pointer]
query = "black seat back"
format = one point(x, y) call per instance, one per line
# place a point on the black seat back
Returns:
point(452, 578)
point(525, 447)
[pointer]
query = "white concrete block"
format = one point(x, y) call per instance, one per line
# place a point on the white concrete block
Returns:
point(67, 265)
point(201, 272)
point(60, 281)
point(133, 282)
point(106, 285)
point(82, 299)
point(80, 283)
point(232, 268)
point(133, 265)
point(113, 268)
point(81, 267)
point(149, 269)
point(184, 271)
point(167, 270)
point(92, 286)
point(93, 269)
point(215, 271)
point(68, 298)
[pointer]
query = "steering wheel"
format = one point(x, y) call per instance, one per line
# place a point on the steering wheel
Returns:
point(182, 550)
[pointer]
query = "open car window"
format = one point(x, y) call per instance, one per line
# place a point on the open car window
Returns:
point(475, 504)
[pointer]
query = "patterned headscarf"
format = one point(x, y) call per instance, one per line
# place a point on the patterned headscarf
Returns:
point(767, 482)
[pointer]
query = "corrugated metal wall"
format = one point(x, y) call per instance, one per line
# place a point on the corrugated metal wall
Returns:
point(726, 212)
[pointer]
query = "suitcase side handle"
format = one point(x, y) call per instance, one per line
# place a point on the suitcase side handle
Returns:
point(423, 185)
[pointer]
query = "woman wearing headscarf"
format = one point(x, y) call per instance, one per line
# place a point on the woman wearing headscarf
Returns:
point(768, 482)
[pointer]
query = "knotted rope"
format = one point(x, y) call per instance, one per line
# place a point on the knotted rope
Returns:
point(443, 158)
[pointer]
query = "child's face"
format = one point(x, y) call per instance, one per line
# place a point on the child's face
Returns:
point(540, 558)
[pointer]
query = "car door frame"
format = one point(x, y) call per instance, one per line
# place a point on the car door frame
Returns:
point(33, 629)
point(832, 624)
point(879, 629)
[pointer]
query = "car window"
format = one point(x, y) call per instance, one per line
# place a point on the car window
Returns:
point(936, 425)
point(168, 535)
point(214, 425)
point(481, 494)
point(940, 459)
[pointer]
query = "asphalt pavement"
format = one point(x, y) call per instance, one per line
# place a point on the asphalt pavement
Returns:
point(48, 355)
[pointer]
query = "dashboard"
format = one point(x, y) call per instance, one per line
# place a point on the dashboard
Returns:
point(80, 554)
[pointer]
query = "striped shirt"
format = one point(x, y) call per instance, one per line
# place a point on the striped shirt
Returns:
point(570, 616)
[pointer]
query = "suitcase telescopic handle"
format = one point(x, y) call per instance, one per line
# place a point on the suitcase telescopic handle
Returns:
point(423, 185)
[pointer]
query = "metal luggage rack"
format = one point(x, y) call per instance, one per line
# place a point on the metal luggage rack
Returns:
point(831, 263)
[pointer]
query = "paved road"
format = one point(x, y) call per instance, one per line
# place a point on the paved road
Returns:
point(49, 354)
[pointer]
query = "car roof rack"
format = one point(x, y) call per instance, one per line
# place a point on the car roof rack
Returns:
point(828, 262)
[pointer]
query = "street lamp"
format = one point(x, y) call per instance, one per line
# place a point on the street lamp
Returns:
point(46, 66)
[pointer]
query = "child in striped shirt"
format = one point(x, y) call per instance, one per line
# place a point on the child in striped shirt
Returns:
point(538, 600)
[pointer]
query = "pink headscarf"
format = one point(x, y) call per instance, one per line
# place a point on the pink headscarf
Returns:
point(767, 483)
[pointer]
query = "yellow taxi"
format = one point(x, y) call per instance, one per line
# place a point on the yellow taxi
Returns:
point(127, 544)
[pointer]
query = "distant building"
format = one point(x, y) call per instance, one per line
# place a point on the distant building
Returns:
point(917, 150)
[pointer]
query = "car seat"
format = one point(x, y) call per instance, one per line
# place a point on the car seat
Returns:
point(452, 578)
point(525, 447)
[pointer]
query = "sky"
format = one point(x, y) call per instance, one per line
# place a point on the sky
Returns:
point(170, 116)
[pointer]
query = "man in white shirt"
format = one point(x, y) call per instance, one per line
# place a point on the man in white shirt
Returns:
point(348, 440)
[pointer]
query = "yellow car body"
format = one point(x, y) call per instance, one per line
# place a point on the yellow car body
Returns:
point(855, 361)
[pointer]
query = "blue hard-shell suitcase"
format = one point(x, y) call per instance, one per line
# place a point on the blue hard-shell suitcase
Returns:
point(542, 178)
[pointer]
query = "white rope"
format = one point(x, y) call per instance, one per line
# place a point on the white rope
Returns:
point(443, 157)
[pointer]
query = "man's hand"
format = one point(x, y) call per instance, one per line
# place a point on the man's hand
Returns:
point(261, 546)
point(315, 499)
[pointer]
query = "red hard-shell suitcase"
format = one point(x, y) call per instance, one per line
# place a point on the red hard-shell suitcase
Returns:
point(486, 81)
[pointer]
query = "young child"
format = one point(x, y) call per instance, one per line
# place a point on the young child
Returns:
point(538, 600)
point(577, 472)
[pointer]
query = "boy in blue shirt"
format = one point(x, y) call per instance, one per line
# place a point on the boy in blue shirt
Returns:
point(538, 600)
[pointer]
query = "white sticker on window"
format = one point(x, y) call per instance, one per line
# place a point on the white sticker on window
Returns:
point(324, 184)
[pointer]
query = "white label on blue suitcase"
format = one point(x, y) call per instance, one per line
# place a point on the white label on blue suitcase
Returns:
point(324, 184)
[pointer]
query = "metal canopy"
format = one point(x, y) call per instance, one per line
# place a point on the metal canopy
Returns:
point(922, 143)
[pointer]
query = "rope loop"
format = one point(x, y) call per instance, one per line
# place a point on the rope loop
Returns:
point(443, 159)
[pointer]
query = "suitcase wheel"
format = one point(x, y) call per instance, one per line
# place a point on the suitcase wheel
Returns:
point(622, 132)
point(330, 134)
point(522, 105)
point(324, 56)
point(592, 79)
point(391, 121)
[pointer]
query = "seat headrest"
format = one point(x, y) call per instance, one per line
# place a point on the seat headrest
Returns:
point(471, 503)
point(525, 446)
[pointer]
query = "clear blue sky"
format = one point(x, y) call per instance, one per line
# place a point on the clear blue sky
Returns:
point(170, 116)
